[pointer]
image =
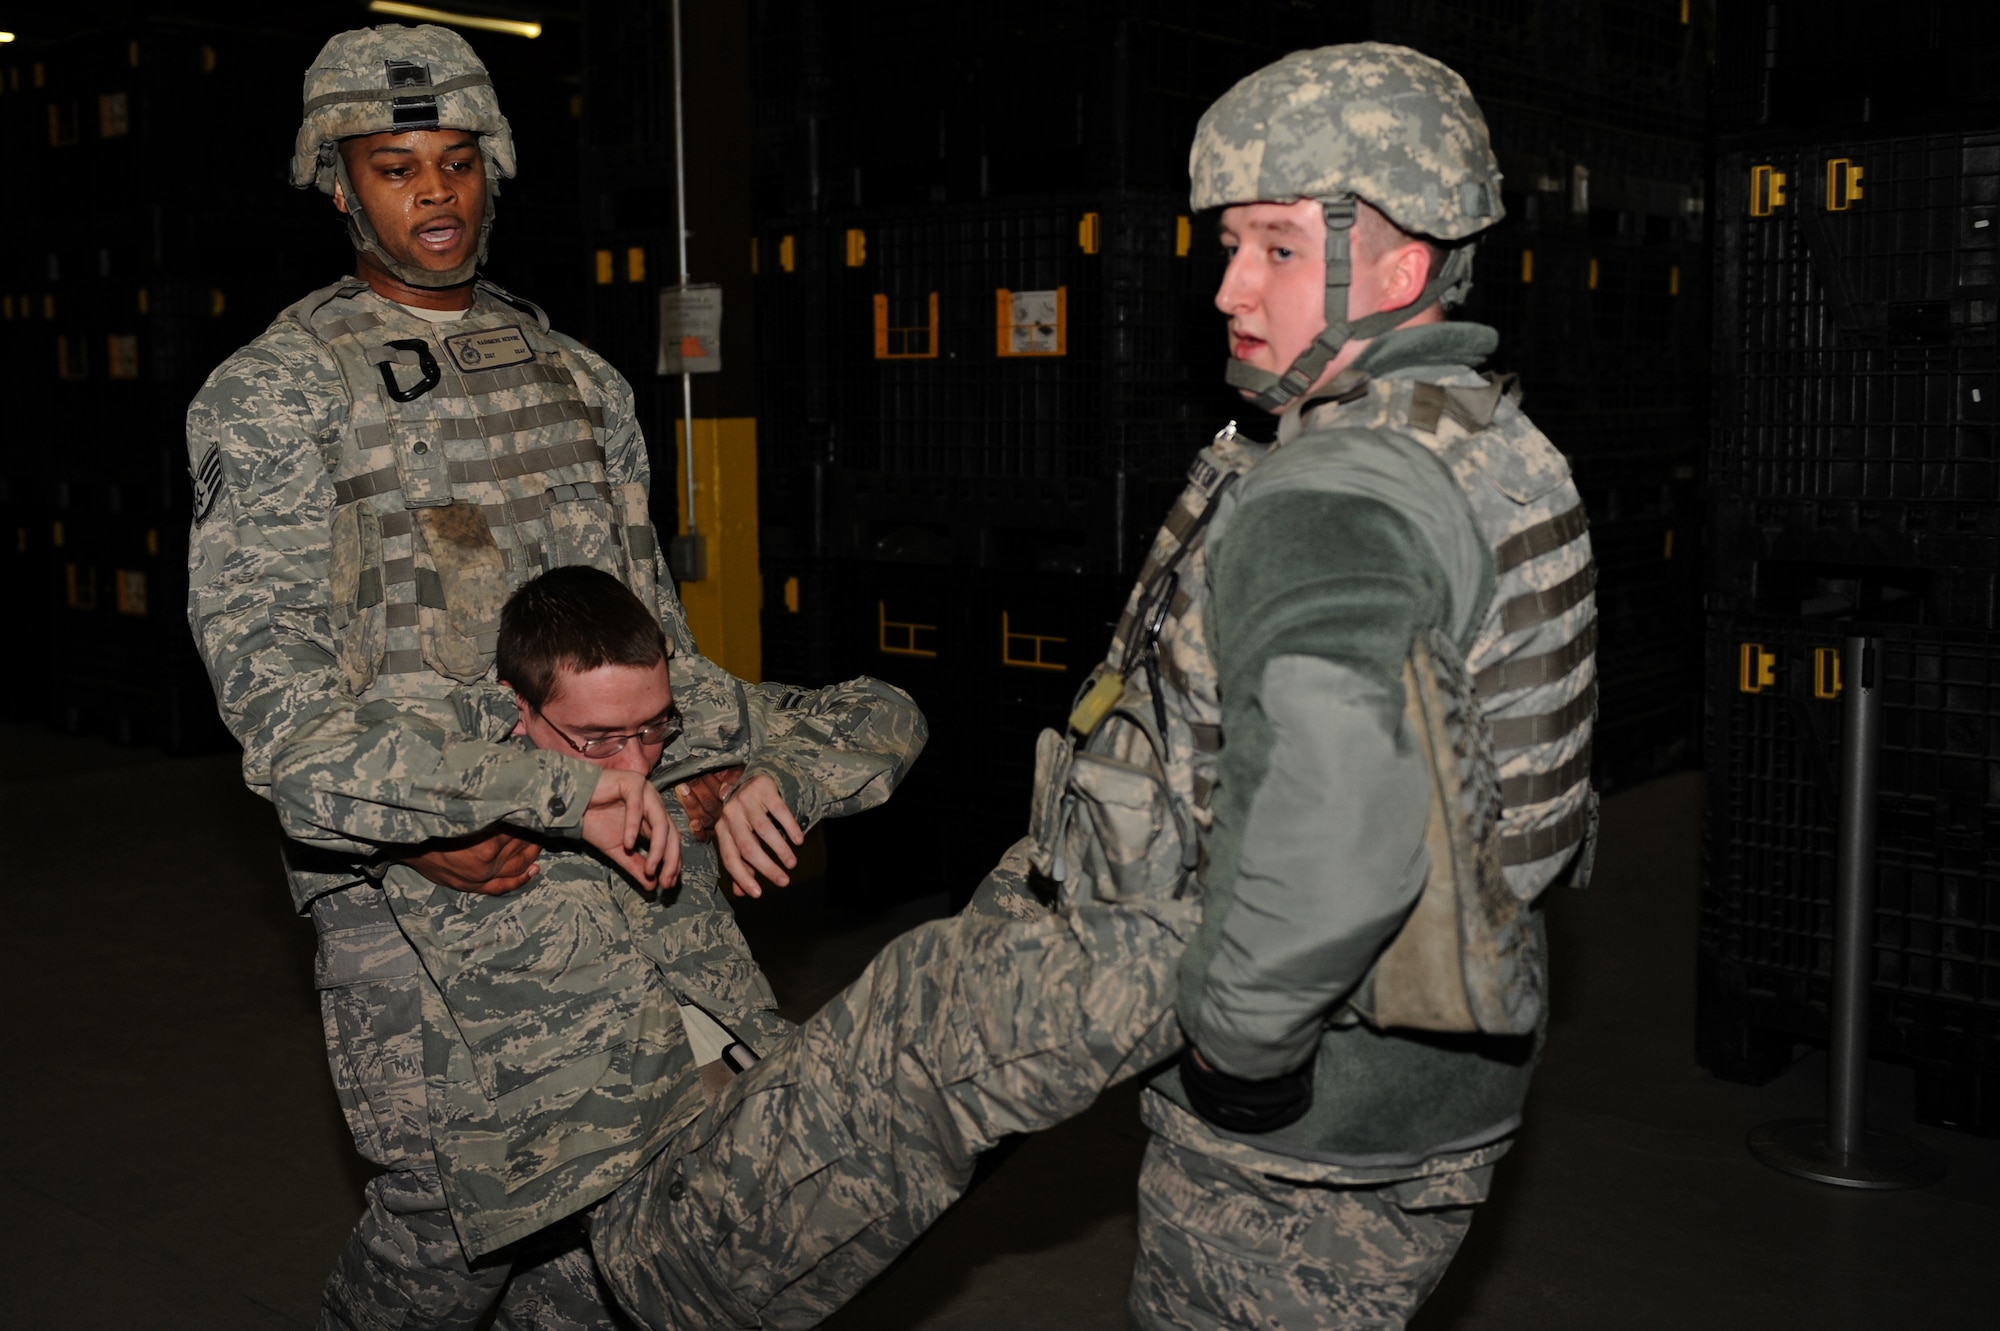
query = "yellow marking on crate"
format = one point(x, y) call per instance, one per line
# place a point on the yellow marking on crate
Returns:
point(1087, 233)
point(1826, 672)
point(606, 270)
point(1756, 668)
point(791, 596)
point(1767, 190)
point(908, 631)
point(1032, 657)
point(1843, 184)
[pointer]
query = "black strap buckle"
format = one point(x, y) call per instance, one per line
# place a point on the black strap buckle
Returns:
point(426, 362)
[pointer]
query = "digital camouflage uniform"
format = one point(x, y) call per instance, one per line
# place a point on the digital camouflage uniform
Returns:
point(559, 1070)
point(1348, 704)
point(370, 485)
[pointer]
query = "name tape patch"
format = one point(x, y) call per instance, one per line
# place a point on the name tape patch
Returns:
point(489, 348)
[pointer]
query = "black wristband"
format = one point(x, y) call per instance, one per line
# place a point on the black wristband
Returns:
point(1241, 1104)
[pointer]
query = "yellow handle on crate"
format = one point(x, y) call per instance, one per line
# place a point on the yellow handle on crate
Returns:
point(1756, 668)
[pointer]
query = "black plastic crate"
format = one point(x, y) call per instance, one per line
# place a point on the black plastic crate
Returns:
point(1097, 370)
point(992, 657)
point(1856, 317)
point(1797, 64)
point(1769, 852)
point(1773, 758)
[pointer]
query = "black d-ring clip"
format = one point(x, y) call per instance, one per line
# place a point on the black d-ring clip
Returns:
point(425, 362)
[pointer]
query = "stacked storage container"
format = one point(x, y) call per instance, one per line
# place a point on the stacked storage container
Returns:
point(124, 284)
point(1853, 491)
point(994, 313)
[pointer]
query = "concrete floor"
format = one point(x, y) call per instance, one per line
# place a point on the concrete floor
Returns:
point(174, 1158)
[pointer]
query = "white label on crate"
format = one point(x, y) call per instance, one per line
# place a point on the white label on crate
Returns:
point(489, 349)
point(691, 329)
point(1032, 326)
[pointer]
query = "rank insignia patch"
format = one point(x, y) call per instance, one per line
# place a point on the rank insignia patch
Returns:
point(489, 348)
point(207, 483)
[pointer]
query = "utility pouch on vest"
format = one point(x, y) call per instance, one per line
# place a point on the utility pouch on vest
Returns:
point(581, 529)
point(360, 618)
point(641, 545)
point(1464, 960)
point(423, 472)
point(1106, 826)
point(461, 585)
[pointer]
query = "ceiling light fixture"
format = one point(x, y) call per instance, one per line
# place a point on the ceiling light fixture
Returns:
point(424, 13)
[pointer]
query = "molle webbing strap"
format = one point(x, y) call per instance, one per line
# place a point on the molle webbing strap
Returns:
point(352, 324)
point(1207, 738)
point(570, 453)
point(1541, 538)
point(1531, 671)
point(403, 93)
point(513, 376)
point(1185, 524)
point(1471, 407)
point(1539, 607)
point(1539, 787)
point(402, 615)
point(525, 509)
point(386, 479)
point(480, 427)
point(1520, 732)
point(404, 663)
point(1527, 847)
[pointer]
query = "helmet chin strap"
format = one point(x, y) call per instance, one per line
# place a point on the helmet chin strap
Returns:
point(362, 233)
point(1273, 392)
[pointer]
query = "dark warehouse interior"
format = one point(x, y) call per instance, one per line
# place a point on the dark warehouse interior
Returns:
point(1748, 279)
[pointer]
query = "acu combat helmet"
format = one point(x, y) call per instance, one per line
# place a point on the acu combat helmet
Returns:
point(394, 79)
point(1371, 122)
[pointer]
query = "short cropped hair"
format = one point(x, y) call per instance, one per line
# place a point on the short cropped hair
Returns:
point(573, 618)
point(1375, 235)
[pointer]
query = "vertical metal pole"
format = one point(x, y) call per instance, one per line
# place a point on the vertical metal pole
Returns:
point(1854, 895)
point(681, 205)
point(1841, 1149)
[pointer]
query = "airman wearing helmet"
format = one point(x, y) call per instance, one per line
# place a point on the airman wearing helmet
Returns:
point(372, 475)
point(403, 128)
point(1367, 650)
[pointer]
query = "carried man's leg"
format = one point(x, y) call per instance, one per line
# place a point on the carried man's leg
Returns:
point(821, 1164)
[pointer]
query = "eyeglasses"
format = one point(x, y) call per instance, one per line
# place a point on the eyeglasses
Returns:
point(663, 731)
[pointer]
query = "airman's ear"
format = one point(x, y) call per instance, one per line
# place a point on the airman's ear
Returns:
point(339, 197)
point(1409, 272)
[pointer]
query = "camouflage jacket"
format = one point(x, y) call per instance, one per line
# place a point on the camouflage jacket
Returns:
point(555, 1055)
point(320, 575)
point(1412, 501)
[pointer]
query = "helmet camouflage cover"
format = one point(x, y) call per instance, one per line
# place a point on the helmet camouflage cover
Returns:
point(393, 79)
point(1381, 124)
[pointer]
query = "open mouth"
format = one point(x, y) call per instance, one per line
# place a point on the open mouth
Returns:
point(441, 235)
point(1243, 346)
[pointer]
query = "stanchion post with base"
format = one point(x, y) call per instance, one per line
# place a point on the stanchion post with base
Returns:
point(1841, 1149)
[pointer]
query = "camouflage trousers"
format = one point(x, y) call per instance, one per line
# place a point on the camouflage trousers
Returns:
point(1224, 1247)
point(402, 1266)
point(812, 1171)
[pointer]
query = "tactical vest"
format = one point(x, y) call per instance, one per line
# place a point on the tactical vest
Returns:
point(470, 462)
point(1503, 717)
